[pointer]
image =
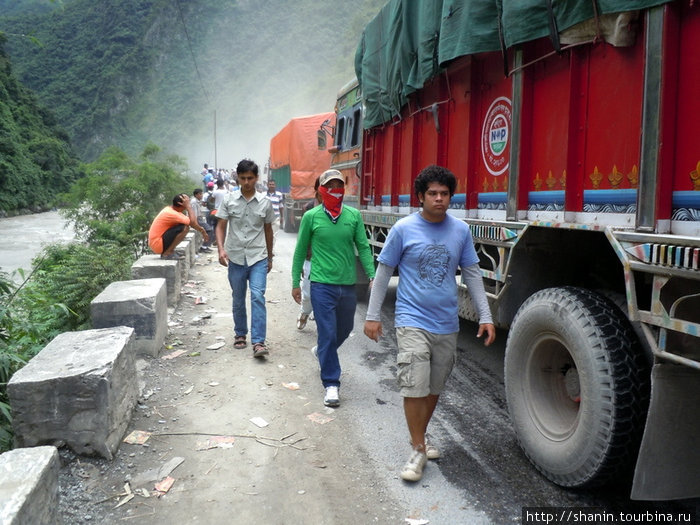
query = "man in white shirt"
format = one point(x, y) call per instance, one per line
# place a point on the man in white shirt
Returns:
point(244, 234)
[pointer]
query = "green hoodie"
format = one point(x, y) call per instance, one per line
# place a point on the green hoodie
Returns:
point(332, 247)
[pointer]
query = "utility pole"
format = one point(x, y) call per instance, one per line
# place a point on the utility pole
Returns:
point(216, 163)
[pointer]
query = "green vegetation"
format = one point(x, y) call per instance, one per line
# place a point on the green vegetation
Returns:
point(111, 208)
point(13, 7)
point(118, 198)
point(36, 159)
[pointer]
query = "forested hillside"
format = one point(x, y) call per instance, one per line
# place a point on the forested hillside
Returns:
point(190, 76)
point(36, 160)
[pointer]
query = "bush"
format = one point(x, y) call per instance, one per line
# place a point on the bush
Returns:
point(56, 298)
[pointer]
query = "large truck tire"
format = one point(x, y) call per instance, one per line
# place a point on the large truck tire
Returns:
point(577, 386)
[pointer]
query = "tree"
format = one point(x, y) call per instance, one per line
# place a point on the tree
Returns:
point(120, 196)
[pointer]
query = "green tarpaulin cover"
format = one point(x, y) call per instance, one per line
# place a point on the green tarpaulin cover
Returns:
point(410, 40)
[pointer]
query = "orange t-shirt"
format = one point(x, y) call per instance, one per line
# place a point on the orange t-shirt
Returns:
point(166, 219)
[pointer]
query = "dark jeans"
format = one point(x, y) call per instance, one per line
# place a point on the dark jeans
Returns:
point(334, 311)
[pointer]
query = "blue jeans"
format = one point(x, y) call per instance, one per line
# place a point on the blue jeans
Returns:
point(334, 310)
point(238, 277)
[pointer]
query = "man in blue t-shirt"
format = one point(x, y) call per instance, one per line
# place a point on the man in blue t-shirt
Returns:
point(427, 247)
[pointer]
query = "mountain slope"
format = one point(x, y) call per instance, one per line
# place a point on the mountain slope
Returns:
point(36, 159)
point(210, 80)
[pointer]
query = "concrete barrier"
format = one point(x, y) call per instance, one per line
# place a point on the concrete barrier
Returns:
point(29, 486)
point(150, 266)
point(79, 390)
point(196, 239)
point(141, 304)
point(184, 250)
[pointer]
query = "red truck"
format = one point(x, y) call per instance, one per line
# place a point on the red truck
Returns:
point(574, 137)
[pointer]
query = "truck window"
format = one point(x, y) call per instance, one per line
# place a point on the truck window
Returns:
point(355, 130)
point(340, 133)
point(347, 143)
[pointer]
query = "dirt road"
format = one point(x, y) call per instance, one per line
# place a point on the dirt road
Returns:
point(309, 465)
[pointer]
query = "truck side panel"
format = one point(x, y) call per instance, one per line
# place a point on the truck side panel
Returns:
point(686, 154)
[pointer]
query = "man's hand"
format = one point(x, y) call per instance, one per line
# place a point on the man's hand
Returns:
point(269, 264)
point(296, 295)
point(373, 330)
point(205, 237)
point(490, 333)
point(223, 257)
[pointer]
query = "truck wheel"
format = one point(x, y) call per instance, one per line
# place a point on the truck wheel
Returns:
point(577, 386)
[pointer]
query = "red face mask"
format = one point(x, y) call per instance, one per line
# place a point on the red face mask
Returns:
point(332, 201)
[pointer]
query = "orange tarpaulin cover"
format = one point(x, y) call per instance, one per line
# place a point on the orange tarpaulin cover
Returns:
point(296, 145)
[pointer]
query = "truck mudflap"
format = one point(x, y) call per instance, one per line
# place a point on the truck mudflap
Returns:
point(669, 458)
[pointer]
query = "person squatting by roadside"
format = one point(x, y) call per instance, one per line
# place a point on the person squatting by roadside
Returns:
point(198, 209)
point(427, 247)
point(244, 233)
point(171, 225)
point(333, 232)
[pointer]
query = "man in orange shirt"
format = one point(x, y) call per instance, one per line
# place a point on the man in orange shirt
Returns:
point(171, 225)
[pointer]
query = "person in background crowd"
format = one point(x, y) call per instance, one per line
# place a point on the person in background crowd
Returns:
point(171, 225)
point(427, 247)
point(209, 203)
point(333, 232)
point(244, 230)
point(306, 311)
point(207, 175)
point(277, 200)
point(199, 211)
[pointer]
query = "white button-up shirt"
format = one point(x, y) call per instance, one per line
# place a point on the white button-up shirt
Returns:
point(245, 236)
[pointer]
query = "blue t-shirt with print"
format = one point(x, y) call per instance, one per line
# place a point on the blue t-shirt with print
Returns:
point(427, 255)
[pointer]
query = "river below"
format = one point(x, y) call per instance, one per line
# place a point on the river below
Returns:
point(23, 237)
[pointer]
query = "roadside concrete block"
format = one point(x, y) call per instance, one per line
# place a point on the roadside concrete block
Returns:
point(196, 239)
point(29, 486)
point(150, 266)
point(184, 249)
point(79, 390)
point(141, 304)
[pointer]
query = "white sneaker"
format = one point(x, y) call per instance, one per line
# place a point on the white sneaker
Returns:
point(413, 469)
point(431, 451)
point(331, 399)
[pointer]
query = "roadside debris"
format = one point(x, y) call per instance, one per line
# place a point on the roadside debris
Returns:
point(137, 437)
point(173, 355)
point(258, 421)
point(216, 346)
point(128, 496)
point(163, 486)
point(291, 386)
point(321, 419)
point(216, 442)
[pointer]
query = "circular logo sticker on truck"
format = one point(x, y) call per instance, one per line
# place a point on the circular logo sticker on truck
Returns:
point(495, 135)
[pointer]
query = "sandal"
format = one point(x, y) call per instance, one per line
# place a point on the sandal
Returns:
point(260, 350)
point(239, 342)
